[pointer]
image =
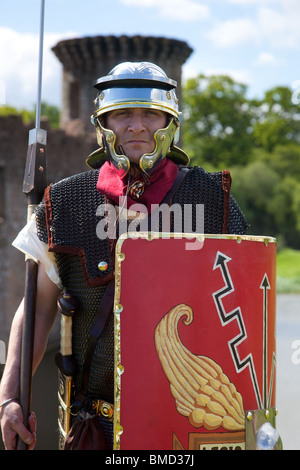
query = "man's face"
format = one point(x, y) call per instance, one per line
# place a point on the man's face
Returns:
point(134, 129)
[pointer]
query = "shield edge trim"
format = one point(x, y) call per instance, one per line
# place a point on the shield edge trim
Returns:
point(119, 257)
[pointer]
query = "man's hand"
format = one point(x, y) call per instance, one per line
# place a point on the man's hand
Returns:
point(13, 427)
point(11, 414)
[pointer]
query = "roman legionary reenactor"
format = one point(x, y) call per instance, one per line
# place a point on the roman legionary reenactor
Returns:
point(137, 171)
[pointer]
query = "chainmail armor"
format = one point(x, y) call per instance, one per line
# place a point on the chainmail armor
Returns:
point(67, 220)
point(201, 187)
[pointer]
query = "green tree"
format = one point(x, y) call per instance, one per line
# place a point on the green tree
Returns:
point(276, 119)
point(258, 140)
point(217, 122)
point(6, 110)
point(270, 201)
point(284, 159)
point(254, 188)
point(28, 116)
point(52, 113)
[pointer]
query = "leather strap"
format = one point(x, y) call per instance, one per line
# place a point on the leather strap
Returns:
point(97, 328)
point(182, 172)
point(226, 185)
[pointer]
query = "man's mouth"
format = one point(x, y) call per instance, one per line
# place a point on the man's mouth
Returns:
point(137, 141)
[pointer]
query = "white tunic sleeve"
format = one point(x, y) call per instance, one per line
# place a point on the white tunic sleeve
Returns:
point(28, 242)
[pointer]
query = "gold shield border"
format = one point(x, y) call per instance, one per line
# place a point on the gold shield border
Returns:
point(119, 257)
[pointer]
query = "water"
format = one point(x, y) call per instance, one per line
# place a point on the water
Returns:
point(288, 370)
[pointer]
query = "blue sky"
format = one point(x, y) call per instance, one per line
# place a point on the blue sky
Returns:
point(257, 42)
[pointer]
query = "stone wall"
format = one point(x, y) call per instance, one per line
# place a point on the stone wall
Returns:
point(66, 155)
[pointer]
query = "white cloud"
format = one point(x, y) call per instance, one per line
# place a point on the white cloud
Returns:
point(280, 27)
point(265, 58)
point(19, 73)
point(233, 32)
point(238, 75)
point(275, 22)
point(184, 10)
point(253, 2)
point(191, 70)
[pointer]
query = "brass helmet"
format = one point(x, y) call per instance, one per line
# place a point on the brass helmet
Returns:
point(137, 85)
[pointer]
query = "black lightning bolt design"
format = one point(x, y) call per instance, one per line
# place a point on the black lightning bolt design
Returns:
point(236, 314)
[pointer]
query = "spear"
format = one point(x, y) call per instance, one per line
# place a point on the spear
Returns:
point(34, 184)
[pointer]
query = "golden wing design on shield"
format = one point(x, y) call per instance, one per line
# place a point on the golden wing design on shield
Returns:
point(201, 390)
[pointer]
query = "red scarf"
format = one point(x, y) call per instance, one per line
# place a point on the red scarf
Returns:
point(113, 186)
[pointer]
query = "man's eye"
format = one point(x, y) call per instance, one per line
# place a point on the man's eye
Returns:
point(121, 113)
point(151, 113)
point(154, 113)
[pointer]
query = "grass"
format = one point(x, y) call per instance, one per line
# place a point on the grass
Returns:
point(288, 271)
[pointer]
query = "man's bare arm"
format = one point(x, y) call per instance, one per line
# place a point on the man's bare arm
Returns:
point(11, 413)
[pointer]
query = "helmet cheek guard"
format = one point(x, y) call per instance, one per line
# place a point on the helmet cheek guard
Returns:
point(108, 138)
point(137, 85)
point(148, 161)
point(163, 140)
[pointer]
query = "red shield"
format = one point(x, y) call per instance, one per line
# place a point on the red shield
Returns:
point(195, 339)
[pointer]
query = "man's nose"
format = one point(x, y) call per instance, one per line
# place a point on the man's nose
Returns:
point(136, 123)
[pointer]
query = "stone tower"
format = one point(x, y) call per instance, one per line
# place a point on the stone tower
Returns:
point(86, 59)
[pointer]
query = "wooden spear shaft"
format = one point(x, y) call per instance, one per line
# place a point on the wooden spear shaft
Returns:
point(34, 184)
